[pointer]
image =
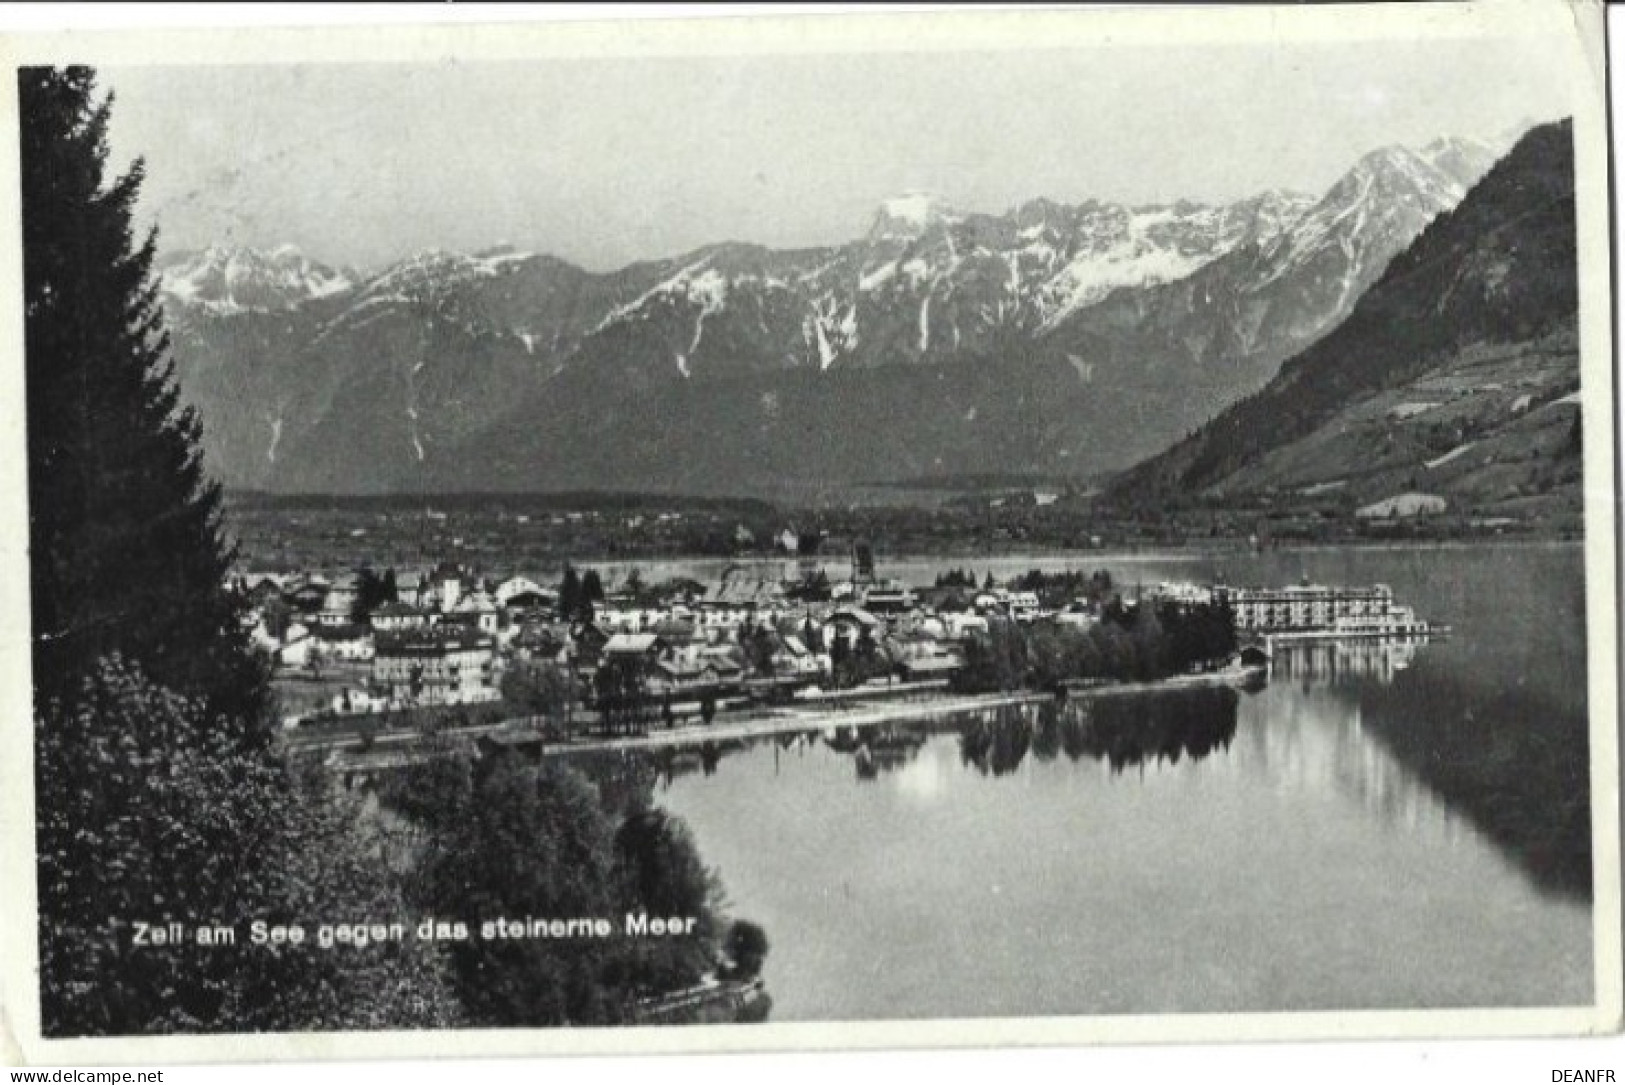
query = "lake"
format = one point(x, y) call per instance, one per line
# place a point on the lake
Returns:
point(1383, 826)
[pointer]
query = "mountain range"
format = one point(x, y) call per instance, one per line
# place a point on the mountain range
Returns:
point(1454, 380)
point(1052, 338)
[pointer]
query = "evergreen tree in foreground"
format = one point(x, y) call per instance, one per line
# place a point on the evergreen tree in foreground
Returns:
point(124, 526)
point(158, 797)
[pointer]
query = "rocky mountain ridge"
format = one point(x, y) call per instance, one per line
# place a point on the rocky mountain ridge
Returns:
point(1053, 337)
point(1452, 386)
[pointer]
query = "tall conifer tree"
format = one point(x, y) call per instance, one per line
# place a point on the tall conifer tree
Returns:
point(127, 551)
point(159, 797)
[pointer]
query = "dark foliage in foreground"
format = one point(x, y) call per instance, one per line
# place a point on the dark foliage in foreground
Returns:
point(512, 840)
point(159, 798)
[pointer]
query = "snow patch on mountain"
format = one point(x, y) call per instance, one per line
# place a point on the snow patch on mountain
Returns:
point(830, 332)
point(412, 430)
point(1390, 193)
point(826, 352)
point(917, 271)
point(1459, 450)
point(710, 291)
point(698, 283)
point(878, 277)
point(1089, 277)
point(1113, 246)
point(501, 256)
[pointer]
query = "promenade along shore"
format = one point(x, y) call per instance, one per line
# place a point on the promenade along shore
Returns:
point(846, 709)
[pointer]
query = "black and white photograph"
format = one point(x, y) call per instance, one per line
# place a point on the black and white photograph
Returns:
point(806, 532)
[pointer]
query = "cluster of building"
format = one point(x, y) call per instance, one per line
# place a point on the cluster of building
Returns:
point(435, 641)
point(446, 637)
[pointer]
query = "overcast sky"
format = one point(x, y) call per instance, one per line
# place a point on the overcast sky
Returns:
point(607, 161)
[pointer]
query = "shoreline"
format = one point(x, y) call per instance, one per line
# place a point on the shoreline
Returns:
point(1149, 554)
point(819, 717)
point(790, 719)
point(1084, 555)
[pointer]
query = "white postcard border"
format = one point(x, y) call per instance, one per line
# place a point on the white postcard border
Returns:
point(1573, 27)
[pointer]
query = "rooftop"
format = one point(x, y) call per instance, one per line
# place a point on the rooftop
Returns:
point(631, 643)
point(437, 640)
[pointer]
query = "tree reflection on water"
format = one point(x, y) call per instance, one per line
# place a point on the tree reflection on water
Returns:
point(1401, 735)
point(1123, 731)
point(878, 749)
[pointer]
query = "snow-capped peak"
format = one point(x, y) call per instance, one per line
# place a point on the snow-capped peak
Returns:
point(915, 208)
point(1392, 157)
point(907, 216)
point(1378, 206)
point(431, 271)
point(1465, 160)
point(228, 278)
point(1448, 144)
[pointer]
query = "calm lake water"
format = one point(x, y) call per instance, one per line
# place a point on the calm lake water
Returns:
point(1382, 827)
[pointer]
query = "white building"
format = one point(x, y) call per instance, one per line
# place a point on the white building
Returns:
point(439, 666)
point(347, 643)
point(523, 591)
point(1304, 606)
point(480, 610)
point(295, 650)
point(399, 617)
point(1183, 591)
point(1023, 605)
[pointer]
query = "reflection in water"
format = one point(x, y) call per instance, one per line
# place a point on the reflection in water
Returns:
point(1383, 826)
point(1162, 727)
point(1509, 759)
point(887, 753)
point(627, 778)
point(1317, 743)
point(1358, 719)
point(1123, 731)
point(1515, 764)
point(995, 742)
point(1338, 660)
point(878, 748)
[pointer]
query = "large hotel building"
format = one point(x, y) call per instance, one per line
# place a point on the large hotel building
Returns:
point(1304, 606)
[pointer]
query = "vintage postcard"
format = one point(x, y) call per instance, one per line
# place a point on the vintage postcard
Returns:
point(797, 532)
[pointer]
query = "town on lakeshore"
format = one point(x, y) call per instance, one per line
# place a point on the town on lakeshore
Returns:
point(366, 654)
